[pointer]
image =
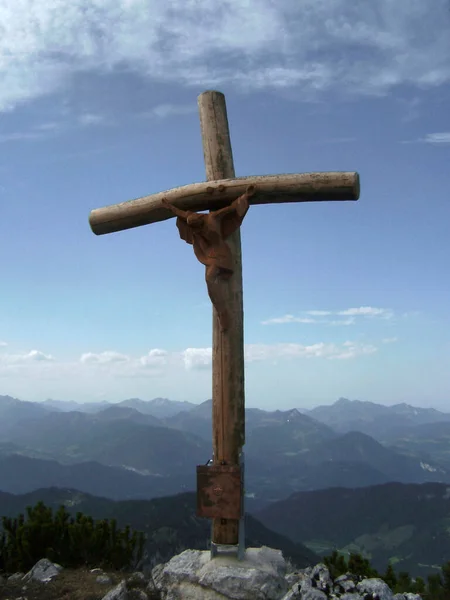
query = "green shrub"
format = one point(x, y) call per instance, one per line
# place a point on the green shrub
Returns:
point(71, 542)
point(437, 587)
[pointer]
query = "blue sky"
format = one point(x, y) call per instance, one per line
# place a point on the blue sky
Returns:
point(98, 104)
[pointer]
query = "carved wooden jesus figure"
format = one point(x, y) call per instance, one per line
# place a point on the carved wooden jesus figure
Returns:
point(207, 232)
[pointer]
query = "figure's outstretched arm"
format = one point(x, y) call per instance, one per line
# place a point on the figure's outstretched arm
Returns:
point(238, 204)
point(182, 214)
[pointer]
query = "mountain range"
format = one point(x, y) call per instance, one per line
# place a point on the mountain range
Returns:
point(170, 523)
point(120, 452)
point(406, 524)
point(354, 476)
point(374, 419)
point(158, 407)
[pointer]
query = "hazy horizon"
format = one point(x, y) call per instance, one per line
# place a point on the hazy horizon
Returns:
point(267, 408)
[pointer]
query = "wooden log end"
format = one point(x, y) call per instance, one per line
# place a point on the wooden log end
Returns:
point(356, 187)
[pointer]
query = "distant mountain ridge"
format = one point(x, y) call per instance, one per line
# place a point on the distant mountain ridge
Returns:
point(406, 523)
point(170, 522)
point(23, 474)
point(286, 451)
point(373, 419)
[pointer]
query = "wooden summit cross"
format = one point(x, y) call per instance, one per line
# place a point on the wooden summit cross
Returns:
point(215, 237)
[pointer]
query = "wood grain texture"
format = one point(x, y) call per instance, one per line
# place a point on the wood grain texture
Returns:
point(220, 191)
point(228, 393)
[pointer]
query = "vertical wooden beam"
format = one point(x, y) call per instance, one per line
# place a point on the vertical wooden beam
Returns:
point(228, 392)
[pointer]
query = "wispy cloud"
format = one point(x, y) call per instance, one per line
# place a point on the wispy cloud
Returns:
point(43, 131)
point(3, 344)
point(48, 126)
point(197, 358)
point(34, 356)
point(289, 319)
point(162, 111)
point(323, 350)
point(391, 340)
point(349, 321)
point(103, 358)
point(367, 311)
point(156, 362)
point(201, 358)
point(435, 139)
point(350, 313)
point(86, 119)
point(20, 136)
point(359, 48)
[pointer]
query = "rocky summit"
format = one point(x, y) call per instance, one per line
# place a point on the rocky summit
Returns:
point(191, 575)
point(263, 575)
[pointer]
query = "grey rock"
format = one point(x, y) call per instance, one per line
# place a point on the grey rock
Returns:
point(151, 587)
point(139, 595)
point(44, 571)
point(117, 593)
point(158, 575)
point(103, 579)
point(193, 575)
point(410, 596)
point(293, 594)
point(292, 578)
point(321, 575)
point(15, 577)
point(136, 577)
point(376, 587)
point(313, 594)
point(345, 583)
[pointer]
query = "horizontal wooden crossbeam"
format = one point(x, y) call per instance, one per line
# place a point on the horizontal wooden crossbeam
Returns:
point(211, 195)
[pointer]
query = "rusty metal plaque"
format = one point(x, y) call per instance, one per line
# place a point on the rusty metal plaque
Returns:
point(219, 492)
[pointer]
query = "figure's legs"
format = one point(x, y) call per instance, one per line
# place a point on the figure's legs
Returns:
point(213, 275)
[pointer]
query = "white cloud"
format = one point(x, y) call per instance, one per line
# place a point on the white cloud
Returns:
point(289, 319)
point(103, 358)
point(197, 358)
point(349, 321)
point(3, 344)
point(390, 340)
point(155, 358)
point(258, 352)
point(437, 138)
point(48, 126)
point(351, 313)
point(34, 356)
point(360, 47)
point(157, 365)
point(367, 311)
point(86, 119)
point(19, 136)
point(162, 111)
